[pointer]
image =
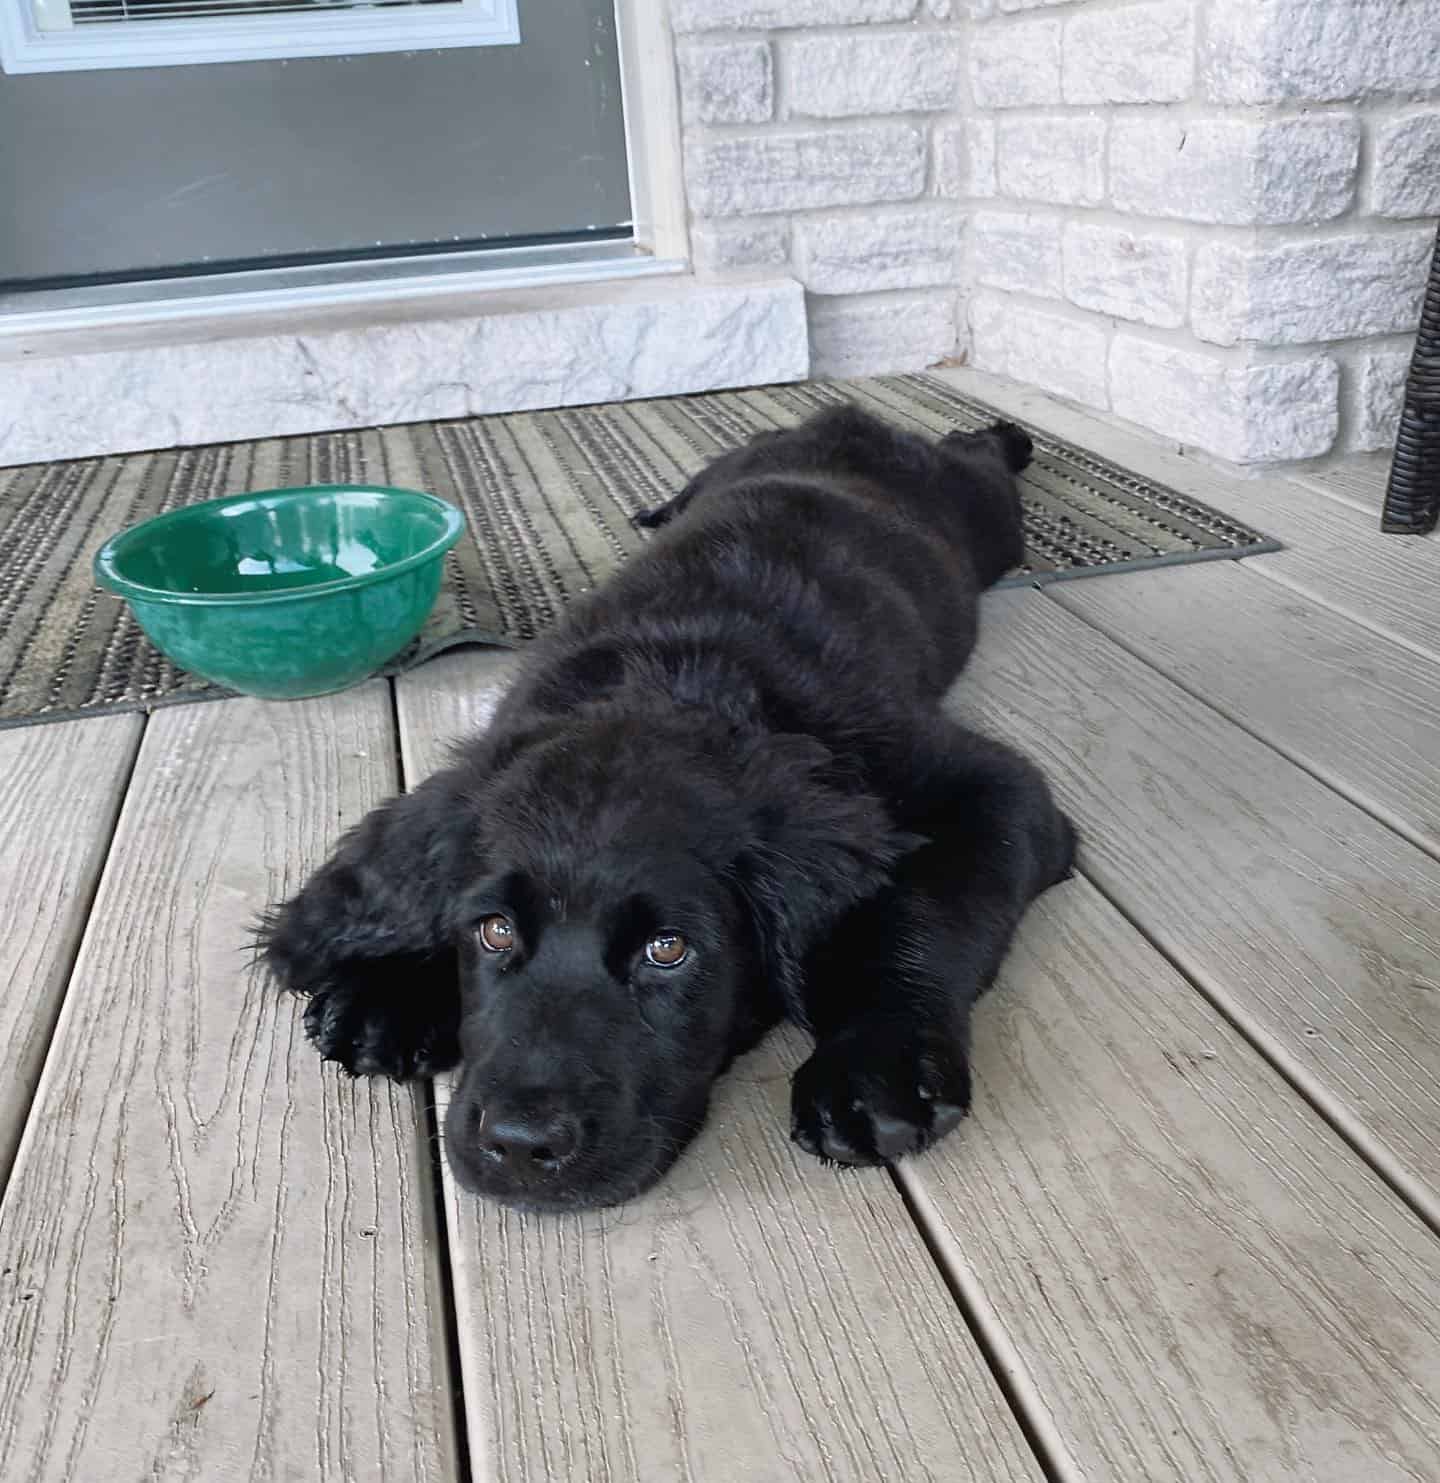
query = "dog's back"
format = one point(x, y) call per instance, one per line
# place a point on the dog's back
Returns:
point(960, 490)
point(821, 557)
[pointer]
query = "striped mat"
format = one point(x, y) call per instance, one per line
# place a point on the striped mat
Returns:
point(549, 498)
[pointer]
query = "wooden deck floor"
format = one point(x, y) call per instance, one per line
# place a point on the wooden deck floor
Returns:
point(1188, 1234)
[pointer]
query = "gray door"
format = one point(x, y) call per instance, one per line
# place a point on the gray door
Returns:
point(164, 170)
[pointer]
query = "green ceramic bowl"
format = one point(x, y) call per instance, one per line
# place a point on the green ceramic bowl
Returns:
point(285, 592)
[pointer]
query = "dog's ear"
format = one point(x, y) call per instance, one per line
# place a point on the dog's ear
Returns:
point(819, 844)
point(386, 892)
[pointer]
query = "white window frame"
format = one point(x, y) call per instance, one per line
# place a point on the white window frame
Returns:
point(39, 36)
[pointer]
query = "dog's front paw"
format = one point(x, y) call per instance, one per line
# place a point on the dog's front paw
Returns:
point(871, 1096)
point(382, 1031)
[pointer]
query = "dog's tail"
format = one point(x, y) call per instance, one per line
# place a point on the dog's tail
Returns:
point(991, 508)
point(1016, 444)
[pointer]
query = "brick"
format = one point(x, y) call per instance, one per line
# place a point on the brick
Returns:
point(1016, 250)
point(1276, 51)
point(949, 148)
point(1379, 391)
point(964, 151)
point(1245, 411)
point(1300, 292)
point(1009, 6)
point(1054, 352)
point(726, 82)
point(880, 249)
point(982, 152)
point(875, 335)
point(1141, 54)
point(1406, 176)
point(1131, 275)
point(757, 15)
point(726, 245)
point(790, 169)
point(1239, 172)
point(1016, 66)
point(1058, 158)
point(841, 76)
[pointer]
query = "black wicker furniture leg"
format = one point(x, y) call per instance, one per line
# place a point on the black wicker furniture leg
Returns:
point(1412, 500)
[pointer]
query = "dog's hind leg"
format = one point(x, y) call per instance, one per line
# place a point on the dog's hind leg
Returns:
point(888, 996)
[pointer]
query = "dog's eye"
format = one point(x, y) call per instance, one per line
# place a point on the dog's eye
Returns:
point(497, 934)
point(667, 950)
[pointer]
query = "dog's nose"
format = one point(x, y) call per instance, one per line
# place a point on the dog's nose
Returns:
point(541, 1140)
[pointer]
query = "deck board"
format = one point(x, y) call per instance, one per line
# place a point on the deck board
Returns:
point(216, 1259)
point(60, 790)
point(1359, 480)
point(1312, 922)
point(755, 1316)
point(1359, 712)
point(1206, 1285)
point(1334, 552)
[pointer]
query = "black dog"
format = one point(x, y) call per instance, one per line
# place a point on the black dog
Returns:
point(721, 793)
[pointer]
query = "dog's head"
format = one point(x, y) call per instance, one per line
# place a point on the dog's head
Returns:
point(630, 900)
point(650, 889)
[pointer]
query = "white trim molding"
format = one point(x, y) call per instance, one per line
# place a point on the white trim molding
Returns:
point(652, 127)
point(41, 35)
point(267, 301)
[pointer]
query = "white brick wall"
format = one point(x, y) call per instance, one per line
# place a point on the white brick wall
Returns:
point(1235, 171)
point(1406, 179)
point(1017, 66)
point(879, 248)
point(1243, 412)
point(1209, 216)
point(1129, 274)
point(950, 154)
point(725, 82)
point(1279, 51)
point(827, 140)
point(720, 246)
point(738, 174)
point(1141, 54)
point(730, 15)
point(844, 76)
point(981, 151)
point(1379, 387)
point(1296, 293)
point(875, 333)
point(1061, 353)
point(1017, 250)
point(964, 154)
point(1055, 158)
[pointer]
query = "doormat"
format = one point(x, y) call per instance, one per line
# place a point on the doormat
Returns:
point(549, 498)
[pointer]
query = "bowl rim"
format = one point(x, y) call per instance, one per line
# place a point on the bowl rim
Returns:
point(107, 557)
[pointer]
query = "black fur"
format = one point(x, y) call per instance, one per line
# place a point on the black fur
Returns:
point(739, 740)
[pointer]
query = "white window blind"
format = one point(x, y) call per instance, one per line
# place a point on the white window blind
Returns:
point(73, 35)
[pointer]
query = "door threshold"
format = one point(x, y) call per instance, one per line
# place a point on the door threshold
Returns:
point(226, 302)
